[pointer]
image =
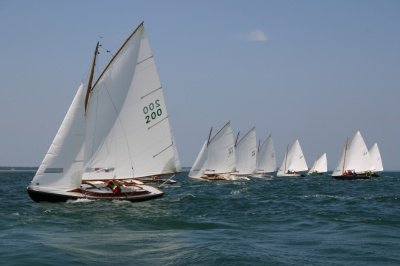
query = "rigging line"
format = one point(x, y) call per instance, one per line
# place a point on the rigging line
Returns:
point(171, 145)
point(122, 127)
point(157, 123)
point(150, 93)
point(94, 132)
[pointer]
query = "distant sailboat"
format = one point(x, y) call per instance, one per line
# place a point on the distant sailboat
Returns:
point(294, 162)
point(246, 155)
point(355, 162)
point(114, 131)
point(216, 159)
point(320, 166)
point(266, 159)
point(377, 166)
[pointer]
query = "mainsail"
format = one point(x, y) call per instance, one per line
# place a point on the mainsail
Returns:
point(246, 153)
point(320, 165)
point(217, 155)
point(266, 158)
point(294, 161)
point(376, 158)
point(127, 119)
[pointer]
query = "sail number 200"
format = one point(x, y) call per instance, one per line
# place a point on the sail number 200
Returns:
point(152, 111)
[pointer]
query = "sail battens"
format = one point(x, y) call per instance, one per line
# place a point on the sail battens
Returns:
point(150, 127)
point(172, 144)
point(150, 93)
point(138, 63)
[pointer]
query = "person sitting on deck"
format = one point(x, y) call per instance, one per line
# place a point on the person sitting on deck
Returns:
point(113, 185)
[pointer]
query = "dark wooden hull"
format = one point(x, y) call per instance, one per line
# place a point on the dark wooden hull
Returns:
point(351, 177)
point(40, 196)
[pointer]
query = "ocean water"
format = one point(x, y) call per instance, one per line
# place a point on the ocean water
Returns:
point(283, 221)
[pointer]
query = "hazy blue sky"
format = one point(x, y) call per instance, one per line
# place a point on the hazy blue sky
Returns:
point(313, 70)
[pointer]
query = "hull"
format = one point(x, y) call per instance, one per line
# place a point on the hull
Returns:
point(94, 194)
point(351, 177)
point(262, 175)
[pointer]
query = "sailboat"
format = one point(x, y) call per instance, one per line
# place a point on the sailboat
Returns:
point(116, 130)
point(377, 166)
point(266, 159)
point(246, 155)
point(355, 162)
point(294, 162)
point(320, 166)
point(216, 159)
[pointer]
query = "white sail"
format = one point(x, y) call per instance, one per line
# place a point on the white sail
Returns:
point(198, 167)
point(221, 151)
point(217, 155)
point(320, 165)
point(357, 155)
point(266, 159)
point(340, 167)
point(294, 161)
point(246, 153)
point(62, 166)
point(127, 119)
point(376, 158)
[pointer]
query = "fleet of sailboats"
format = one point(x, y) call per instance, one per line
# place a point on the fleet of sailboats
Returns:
point(116, 135)
point(115, 131)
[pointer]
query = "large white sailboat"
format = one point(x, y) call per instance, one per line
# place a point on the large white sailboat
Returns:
point(294, 162)
point(266, 159)
point(114, 131)
point(246, 155)
point(320, 166)
point(377, 165)
point(216, 159)
point(355, 162)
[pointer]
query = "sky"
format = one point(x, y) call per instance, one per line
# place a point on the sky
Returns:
point(316, 71)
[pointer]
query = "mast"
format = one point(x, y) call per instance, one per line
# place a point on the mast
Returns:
point(209, 136)
point(237, 138)
point(344, 157)
point(89, 85)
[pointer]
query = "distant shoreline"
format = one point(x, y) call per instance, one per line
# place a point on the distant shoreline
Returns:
point(35, 168)
point(18, 169)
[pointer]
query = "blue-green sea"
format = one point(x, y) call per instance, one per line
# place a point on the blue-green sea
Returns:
point(282, 221)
